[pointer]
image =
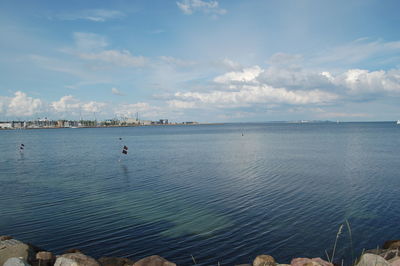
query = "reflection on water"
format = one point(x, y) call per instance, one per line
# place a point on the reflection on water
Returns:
point(281, 189)
point(125, 174)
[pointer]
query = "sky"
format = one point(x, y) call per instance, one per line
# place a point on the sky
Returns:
point(200, 60)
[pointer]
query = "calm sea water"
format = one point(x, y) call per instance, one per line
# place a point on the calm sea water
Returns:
point(206, 191)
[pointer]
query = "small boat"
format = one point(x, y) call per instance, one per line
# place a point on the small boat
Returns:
point(398, 122)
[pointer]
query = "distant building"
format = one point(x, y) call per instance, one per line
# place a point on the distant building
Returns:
point(145, 122)
point(42, 122)
point(17, 124)
point(132, 121)
point(5, 124)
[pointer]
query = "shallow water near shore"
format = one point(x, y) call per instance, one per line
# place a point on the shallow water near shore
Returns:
point(280, 189)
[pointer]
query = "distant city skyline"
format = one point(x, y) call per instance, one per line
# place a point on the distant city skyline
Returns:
point(200, 60)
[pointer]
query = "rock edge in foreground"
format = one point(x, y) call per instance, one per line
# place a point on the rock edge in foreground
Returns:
point(16, 253)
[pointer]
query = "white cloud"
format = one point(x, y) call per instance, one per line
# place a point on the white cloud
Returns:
point(334, 115)
point(176, 61)
point(359, 50)
point(86, 41)
point(252, 86)
point(295, 78)
point(84, 73)
point(177, 104)
point(65, 104)
point(321, 113)
point(285, 59)
point(93, 107)
point(284, 73)
point(92, 47)
point(327, 75)
point(360, 81)
point(115, 57)
point(144, 109)
point(246, 75)
point(115, 91)
point(235, 115)
point(71, 105)
point(188, 7)
point(257, 94)
point(228, 64)
point(4, 101)
point(22, 105)
point(95, 15)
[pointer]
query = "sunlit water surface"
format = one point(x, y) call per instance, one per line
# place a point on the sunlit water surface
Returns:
point(207, 191)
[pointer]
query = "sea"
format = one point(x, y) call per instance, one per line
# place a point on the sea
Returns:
point(204, 194)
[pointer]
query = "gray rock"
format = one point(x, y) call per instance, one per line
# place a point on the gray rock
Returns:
point(113, 261)
point(44, 258)
point(73, 250)
point(75, 259)
point(264, 260)
point(154, 260)
point(309, 262)
point(16, 262)
point(395, 261)
point(44, 255)
point(392, 244)
point(369, 259)
point(13, 248)
point(387, 254)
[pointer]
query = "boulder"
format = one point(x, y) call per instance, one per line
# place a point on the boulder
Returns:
point(369, 259)
point(392, 244)
point(154, 260)
point(16, 262)
point(13, 248)
point(44, 255)
point(309, 262)
point(387, 254)
point(264, 260)
point(2, 238)
point(395, 261)
point(113, 261)
point(72, 250)
point(45, 258)
point(377, 251)
point(75, 259)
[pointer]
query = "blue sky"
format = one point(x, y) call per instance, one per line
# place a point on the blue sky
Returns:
point(202, 60)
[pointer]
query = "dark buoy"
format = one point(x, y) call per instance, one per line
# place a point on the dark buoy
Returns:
point(125, 150)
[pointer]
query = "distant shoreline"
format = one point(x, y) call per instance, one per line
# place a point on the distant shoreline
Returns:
point(198, 124)
point(117, 126)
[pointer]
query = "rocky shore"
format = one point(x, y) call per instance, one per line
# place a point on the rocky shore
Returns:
point(16, 253)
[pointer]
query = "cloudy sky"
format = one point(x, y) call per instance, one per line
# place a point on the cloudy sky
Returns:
point(201, 60)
